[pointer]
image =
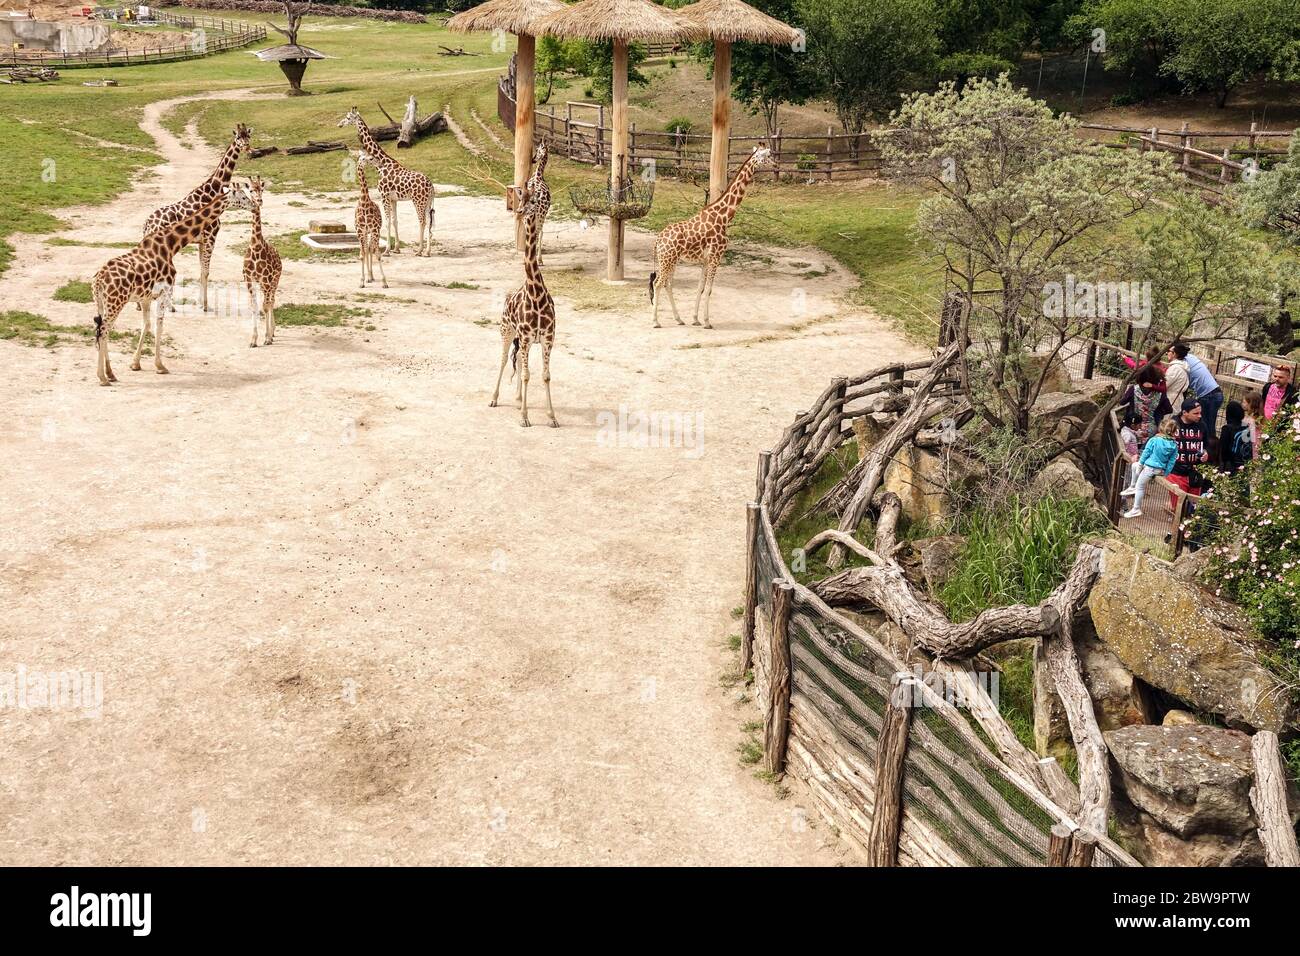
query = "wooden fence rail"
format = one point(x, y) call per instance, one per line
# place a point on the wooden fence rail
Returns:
point(231, 35)
point(799, 158)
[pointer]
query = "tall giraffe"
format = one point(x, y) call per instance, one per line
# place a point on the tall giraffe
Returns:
point(142, 275)
point(261, 269)
point(214, 187)
point(536, 186)
point(528, 317)
point(397, 182)
point(369, 224)
point(703, 239)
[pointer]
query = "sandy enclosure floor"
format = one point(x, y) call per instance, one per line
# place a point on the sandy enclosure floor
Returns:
point(345, 612)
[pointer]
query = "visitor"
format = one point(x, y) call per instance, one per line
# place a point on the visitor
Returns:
point(1177, 376)
point(1236, 444)
point(1128, 440)
point(1152, 354)
point(1191, 451)
point(1144, 404)
point(1254, 419)
point(1158, 458)
point(1279, 392)
point(1202, 385)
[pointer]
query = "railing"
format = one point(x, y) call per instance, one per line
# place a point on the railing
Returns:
point(829, 686)
point(1211, 169)
point(686, 155)
point(233, 34)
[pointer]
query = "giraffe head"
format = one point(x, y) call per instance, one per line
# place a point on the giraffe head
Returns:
point(762, 156)
point(352, 119)
point(540, 154)
point(239, 195)
point(242, 138)
point(255, 187)
point(529, 204)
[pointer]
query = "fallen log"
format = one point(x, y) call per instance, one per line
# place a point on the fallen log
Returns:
point(458, 51)
point(1268, 797)
point(316, 147)
point(261, 151)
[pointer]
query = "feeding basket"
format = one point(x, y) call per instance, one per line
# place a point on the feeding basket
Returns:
point(633, 201)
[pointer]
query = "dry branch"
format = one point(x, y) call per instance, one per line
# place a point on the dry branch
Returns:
point(1268, 797)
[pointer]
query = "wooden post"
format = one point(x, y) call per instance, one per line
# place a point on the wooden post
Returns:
point(1058, 844)
point(1268, 797)
point(1176, 532)
point(830, 155)
point(1187, 141)
point(776, 719)
point(891, 749)
point(1083, 847)
point(525, 98)
point(720, 147)
point(751, 586)
point(617, 160)
point(776, 156)
point(1223, 168)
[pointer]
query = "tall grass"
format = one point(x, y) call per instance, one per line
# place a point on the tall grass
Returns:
point(1017, 551)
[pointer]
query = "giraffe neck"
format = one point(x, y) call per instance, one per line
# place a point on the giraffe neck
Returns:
point(226, 168)
point(532, 268)
point(540, 169)
point(181, 233)
point(256, 238)
point(729, 201)
point(371, 145)
point(361, 181)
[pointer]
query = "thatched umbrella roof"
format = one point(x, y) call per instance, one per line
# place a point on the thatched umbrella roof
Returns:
point(290, 51)
point(731, 21)
point(519, 17)
point(623, 20)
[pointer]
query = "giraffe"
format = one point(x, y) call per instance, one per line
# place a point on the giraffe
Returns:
point(368, 224)
point(146, 273)
point(703, 239)
point(212, 187)
point(397, 182)
point(536, 186)
point(528, 317)
point(261, 268)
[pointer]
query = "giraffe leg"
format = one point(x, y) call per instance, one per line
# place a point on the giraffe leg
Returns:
point(164, 302)
point(269, 314)
point(658, 292)
point(390, 210)
point(101, 355)
point(421, 249)
point(668, 286)
point(108, 360)
point(523, 382)
point(363, 255)
point(710, 273)
point(258, 305)
point(374, 258)
point(505, 354)
point(144, 330)
point(699, 293)
point(205, 258)
point(546, 380)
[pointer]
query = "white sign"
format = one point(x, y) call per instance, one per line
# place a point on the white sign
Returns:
point(1255, 371)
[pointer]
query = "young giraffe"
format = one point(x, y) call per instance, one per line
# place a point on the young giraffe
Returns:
point(529, 317)
point(212, 187)
point(536, 186)
point(397, 182)
point(368, 224)
point(261, 266)
point(146, 273)
point(702, 238)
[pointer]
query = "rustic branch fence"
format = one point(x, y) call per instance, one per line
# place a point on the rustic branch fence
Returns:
point(231, 35)
point(587, 139)
point(1236, 152)
point(902, 772)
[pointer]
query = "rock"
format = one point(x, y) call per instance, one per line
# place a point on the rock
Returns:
point(920, 480)
point(1190, 565)
point(1180, 718)
point(1182, 795)
point(1183, 640)
point(938, 556)
point(1051, 407)
point(326, 226)
point(1063, 479)
point(883, 629)
point(1118, 698)
point(1057, 378)
point(866, 432)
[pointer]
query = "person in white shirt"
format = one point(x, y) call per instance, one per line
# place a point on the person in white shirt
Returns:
point(1176, 378)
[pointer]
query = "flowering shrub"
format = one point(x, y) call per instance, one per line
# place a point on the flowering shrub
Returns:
point(1254, 540)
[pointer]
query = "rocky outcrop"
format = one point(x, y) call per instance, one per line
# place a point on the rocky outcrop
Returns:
point(1180, 718)
point(1181, 795)
point(1118, 698)
point(938, 557)
point(1064, 479)
point(1179, 638)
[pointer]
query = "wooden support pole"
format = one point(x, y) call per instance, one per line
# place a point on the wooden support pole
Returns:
point(751, 586)
point(1058, 844)
point(1083, 847)
point(776, 719)
point(525, 98)
point(720, 147)
point(617, 159)
point(1268, 797)
point(891, 749)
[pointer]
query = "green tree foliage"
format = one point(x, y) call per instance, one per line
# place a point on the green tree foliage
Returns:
point(591, 58)
point(764, 77)
point(1137, 33)
point(865, 53)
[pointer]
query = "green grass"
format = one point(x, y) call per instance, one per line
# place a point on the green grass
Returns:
point(74, 291)
point(27, 328)
point(317, 313)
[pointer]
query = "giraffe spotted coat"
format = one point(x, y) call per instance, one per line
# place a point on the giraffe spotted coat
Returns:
point(369, 224)
point(396, 182)
point(262, 269)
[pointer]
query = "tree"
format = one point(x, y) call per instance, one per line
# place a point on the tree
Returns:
point(865, 53)
point(1271, 200)
point(1138, 35)
point(1220, 44)
point(763, 77)
point(1029, 219)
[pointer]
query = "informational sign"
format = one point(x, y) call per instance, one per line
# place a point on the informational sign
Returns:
point(1255, 371)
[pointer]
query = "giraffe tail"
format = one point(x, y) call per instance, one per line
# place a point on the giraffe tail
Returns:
point(514, 357)
point(99, 327)
point(652, 286)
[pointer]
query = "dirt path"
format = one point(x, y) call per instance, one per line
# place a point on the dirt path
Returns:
point(346, 613)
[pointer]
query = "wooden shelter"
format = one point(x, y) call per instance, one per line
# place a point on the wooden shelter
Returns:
point(726, 22)
point(519, 17)
point(622, 22)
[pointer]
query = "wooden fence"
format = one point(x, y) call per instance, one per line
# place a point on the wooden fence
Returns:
point(587, 139)
point(904, 774)
point(231, 35)
point(1235, 154)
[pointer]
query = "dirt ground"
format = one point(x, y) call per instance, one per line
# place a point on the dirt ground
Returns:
point(346, 613)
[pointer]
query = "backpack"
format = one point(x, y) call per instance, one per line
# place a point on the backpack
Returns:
point(1243, 449)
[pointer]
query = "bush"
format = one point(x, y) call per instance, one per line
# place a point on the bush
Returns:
point(1017, 551)
point(679, 125)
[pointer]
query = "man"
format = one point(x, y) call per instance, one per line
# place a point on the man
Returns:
point(1202, 383)
point(1191, 451)
point(1279, 392)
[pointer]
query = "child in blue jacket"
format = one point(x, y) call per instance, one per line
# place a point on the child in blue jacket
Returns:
point(1158, 458)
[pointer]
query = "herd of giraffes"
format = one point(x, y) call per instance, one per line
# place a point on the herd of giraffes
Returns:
point(146, 274)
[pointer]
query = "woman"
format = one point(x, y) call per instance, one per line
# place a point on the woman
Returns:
point(1151, 355)
point(1177, 375)
point(1145, 404)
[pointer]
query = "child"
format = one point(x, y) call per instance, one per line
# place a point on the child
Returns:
point(1236, 444)
point(1254, 415)
point(1129, 439)
point(1158, 458)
